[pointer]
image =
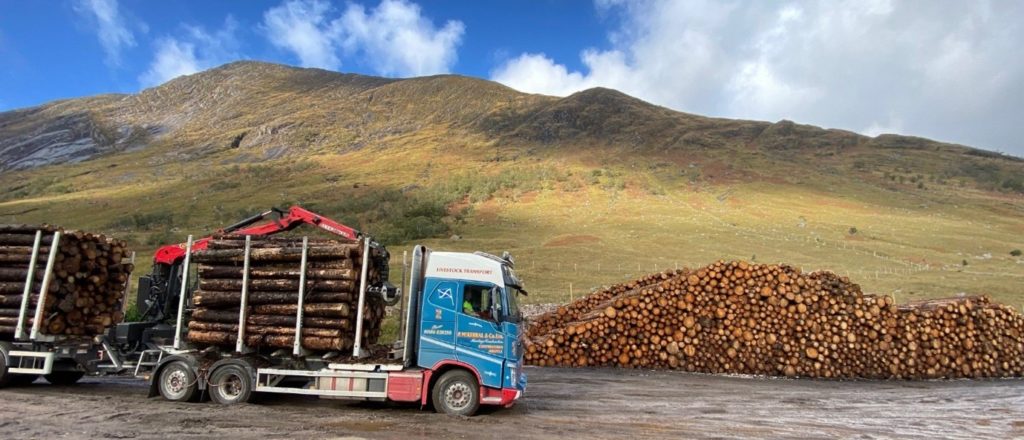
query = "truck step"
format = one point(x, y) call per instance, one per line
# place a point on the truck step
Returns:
point(146, 361)
point(30, 362)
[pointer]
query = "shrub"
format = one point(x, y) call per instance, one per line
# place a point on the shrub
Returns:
point(144, 221)
point(1016, 252)
point(162, 238)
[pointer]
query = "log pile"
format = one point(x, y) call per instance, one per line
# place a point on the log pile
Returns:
point(740, 318)
point(87, 285)
point(330, 300)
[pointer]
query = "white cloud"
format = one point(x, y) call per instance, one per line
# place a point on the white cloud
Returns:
point(535, 72)
point(193, 50)
point(173, 58)
point(947, 70)
point(113, 33)
point(890, 125)
point(302, 27)
point(393, 38)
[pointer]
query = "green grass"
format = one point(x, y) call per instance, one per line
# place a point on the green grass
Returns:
point(574, 223)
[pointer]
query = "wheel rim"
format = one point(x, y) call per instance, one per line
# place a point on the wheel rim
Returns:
point(458, 396)
point(175, 383)
point(230, 386)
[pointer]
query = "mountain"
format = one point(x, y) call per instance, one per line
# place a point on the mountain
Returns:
point(598, 181)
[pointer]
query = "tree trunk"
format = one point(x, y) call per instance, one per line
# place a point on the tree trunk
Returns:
point(277, 254)
point(213, 298)
point(276, 285)
point(278, 341)
point(212, 272)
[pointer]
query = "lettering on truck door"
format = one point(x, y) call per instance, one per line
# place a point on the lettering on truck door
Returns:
point(479, 340)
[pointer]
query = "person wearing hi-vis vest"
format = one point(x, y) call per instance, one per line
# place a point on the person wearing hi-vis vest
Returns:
point(467, 307)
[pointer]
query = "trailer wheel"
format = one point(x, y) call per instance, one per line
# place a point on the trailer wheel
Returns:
point(456, 393)
point(177, 382)
point(64, 377)
point(230, 384)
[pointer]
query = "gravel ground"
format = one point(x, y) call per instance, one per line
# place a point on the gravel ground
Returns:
point(560, 403)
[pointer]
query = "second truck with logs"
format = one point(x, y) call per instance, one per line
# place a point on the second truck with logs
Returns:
point(291, 316)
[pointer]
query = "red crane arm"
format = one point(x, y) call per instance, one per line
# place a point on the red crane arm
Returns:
point(294, 217)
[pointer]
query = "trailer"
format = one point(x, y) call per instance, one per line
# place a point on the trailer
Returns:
point(447, 356)
point(29, 352)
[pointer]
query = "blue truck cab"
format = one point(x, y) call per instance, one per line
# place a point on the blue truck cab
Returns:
point(465, 329)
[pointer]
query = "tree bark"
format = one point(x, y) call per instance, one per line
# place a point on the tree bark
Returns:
point(212, 272)
point(277, 254)
point(262, 329)
point(278, 341)
point(213, 298)
point(287, 285)
point(333, 310)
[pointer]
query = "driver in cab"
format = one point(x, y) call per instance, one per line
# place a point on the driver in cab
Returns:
point(472, 302)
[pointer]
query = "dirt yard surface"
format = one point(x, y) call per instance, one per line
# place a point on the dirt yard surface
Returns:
point(560, 403)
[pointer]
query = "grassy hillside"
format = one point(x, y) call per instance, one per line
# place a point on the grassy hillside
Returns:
point(587, 190)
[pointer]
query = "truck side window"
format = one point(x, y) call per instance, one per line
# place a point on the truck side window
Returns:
point(476, 301)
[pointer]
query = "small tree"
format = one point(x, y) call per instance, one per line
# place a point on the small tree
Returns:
point(1016, 252)
point(964, 263)
point(853, 230)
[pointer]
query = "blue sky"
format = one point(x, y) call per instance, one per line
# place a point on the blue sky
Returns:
point(944, 69)
point(51, 50)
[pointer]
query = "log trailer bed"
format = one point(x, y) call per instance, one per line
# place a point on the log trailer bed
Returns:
point(453, 357)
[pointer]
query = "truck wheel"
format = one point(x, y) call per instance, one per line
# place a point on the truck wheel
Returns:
point(456, 393)
point(177, 382)
point(230, 384)
point(64, 377)
point(5, 377)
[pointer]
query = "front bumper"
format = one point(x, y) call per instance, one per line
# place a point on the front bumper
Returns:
point(502, 397)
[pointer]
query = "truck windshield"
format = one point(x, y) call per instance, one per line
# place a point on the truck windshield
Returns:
point(513, 305)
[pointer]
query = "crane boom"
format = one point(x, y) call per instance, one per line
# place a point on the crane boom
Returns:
point(158, 292)
point(285, 221)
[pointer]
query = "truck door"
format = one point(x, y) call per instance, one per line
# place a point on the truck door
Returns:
point(437, 329)
point(479, 340)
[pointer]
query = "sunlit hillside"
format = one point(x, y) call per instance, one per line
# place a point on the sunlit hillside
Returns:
point(586, 190)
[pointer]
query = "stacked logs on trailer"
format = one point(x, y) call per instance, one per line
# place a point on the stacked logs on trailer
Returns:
point(330, 299)
point(87, 284)
point(740, 318)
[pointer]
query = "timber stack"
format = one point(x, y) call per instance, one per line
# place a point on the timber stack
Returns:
point(774, 320)
point(330, 297)
point(86, 287)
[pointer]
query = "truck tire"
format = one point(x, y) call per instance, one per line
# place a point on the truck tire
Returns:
point(177, 382)
point(5, 377)
point(456, 393)
point(64, 377)
point(230, 384)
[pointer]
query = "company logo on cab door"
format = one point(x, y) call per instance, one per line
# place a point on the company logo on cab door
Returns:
point(465, 270)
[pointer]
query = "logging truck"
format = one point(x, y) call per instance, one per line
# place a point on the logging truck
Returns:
point(460, 342)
